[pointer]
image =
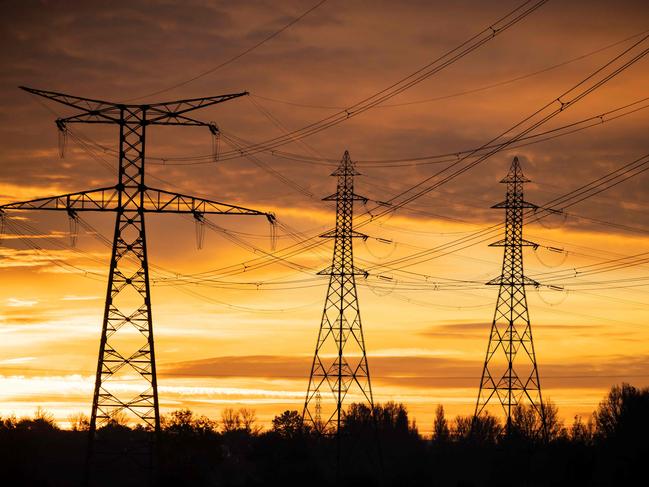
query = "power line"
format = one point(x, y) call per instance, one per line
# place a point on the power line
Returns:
point(563, 105)
point(611, 179)
point(234, 58)
point(435, 66)
point(424, 160)
point(469, 91)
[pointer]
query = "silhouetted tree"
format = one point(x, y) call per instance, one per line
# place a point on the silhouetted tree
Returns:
point(249, 420)
point(483, 429)
point(581, 432)
point(289, 424)
point(554, 427)
point(441, 432)
point(393, 416)
point(183, 421)
point(623, 414)
point(42, 421)
point(8, 423)
point(390, 417)
point(230, 420)
point(79, 422)
point(526, 423)
point(117, 421)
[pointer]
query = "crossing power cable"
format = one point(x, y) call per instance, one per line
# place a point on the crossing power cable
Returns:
point(588, 88)
point(564, 104)
point(424, 160)
point(448, 58)
point(233, 58)
point(571, 97)
point(469, 91)
point(605, 182)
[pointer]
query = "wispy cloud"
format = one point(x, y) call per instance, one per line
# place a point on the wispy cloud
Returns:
point(21, 303)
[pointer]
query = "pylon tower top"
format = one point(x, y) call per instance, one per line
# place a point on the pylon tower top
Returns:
point(346, 167)
point(515, 174)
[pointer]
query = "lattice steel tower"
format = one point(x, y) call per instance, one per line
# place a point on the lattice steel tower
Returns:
point(510, 375)
point(126, 345)
point(340, 362)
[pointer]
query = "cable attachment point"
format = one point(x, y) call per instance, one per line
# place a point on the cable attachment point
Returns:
point(563, 104)
point(199, 221)
point(555, 250)
point(216, 141)
point(63, 137)
point(273, 231)
point(73, 220)
point(547, 294)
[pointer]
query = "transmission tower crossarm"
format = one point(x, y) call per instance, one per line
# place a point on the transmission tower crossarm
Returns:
point(344, 233)
point(505, 243)
point(160, 201)
point(331, 271)
point(517, 204)
point(100, 111)
point(504, 281)
point(180, 107)
point(352, 196)
point(83, 104)
point(102, 199)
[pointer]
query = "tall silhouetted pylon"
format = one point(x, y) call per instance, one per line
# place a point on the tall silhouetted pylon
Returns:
point(510, 375)
point(126, 349)
point(340, 363)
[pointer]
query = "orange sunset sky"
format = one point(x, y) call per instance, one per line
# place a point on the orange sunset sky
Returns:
point(245, 338)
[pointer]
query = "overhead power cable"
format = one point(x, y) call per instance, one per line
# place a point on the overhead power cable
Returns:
point(233, 58)
point(469, 91)
point(435, 66)
point(588, 190)
point(564, 101)
point(425, 160)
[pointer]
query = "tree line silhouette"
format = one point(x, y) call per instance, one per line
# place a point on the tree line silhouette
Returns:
point(377, 448)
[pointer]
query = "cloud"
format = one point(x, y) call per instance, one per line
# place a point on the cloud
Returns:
point(308, 63)
point(72, 297)
point(482, 330)
point(16, 360)
point(21, 303)
point(419, 372)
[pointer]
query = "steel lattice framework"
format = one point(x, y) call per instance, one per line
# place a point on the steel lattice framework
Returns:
point(127, 345)
point(340, 362)
point(510, 375)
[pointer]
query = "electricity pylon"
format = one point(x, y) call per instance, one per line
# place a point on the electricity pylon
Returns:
point(340, 362)
point(510, 375)
point(127, 310)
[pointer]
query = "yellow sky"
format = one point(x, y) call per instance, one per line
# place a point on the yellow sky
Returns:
point(425, 348)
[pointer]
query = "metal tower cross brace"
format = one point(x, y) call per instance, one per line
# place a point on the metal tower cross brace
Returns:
point(340, 362)
point(510, 375)
point(127, 313)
